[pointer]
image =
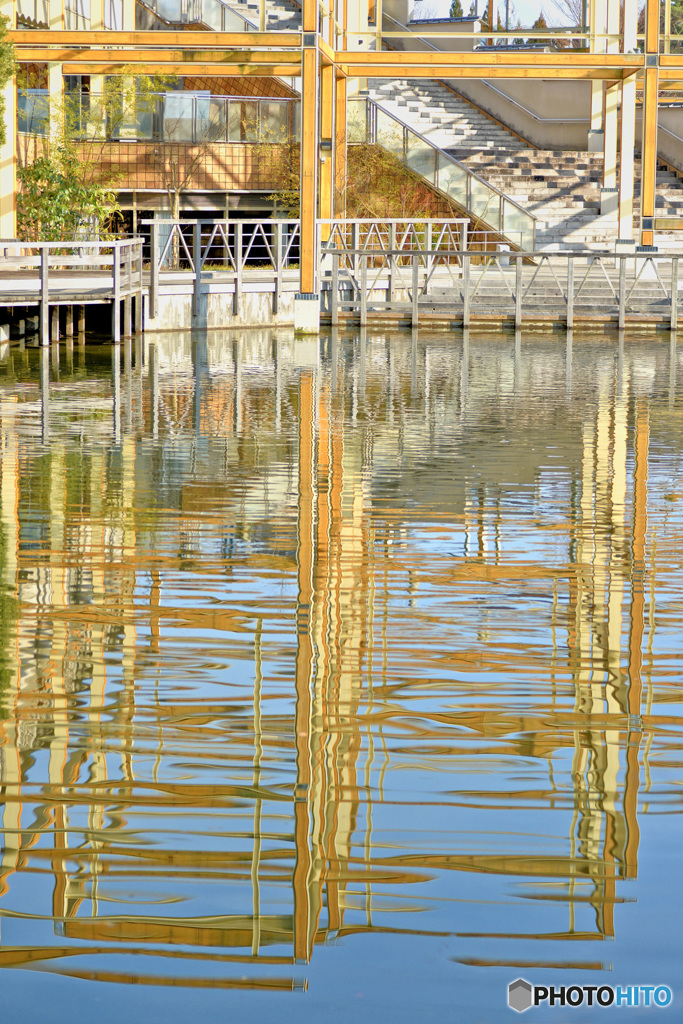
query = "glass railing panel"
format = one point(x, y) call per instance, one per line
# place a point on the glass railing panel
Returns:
point(421, 156)
point(212, 14)
point(484, 203)
point(168, 9)
point(452, 179)
point(232, 22)
point(218, 116)
point(178, 117)
point(518, 225)
point(274, 121)
point(389, 134)
point(242, 121)
point(356, 121)
point(33, 111)
point(112, 15)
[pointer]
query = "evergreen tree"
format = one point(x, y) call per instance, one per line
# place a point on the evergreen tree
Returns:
point(456, 10)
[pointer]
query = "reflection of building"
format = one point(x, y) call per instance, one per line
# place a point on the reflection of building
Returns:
point(239, 637)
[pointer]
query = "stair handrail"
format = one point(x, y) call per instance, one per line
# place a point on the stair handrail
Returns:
point(442, 156)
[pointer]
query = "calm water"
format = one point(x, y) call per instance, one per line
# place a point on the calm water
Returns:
point(339, 684)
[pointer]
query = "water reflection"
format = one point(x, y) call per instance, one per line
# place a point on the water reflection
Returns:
point(305, 644)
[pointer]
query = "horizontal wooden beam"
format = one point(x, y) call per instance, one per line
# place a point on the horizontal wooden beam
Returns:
point(484, 59)
point(410, 72)
point(198, 70)
point(227, 40)
point(118, 56)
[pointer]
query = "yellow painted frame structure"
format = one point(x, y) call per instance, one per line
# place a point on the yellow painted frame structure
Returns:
point(324, 71)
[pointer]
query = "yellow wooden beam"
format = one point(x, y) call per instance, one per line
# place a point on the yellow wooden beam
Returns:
point(170, 56)
point(494, 59)
point(326, 132)
point(229, 40)
point(354, 70)
point(198, 70)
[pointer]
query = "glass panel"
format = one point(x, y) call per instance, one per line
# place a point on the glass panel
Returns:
point(242, 121)
point(218, 118)
point(273, 126)
point(452, 179)
point(232, 22)
point(518, 225)
point(356, 122)
point(178, 117)
point(168, 9)
point(421, 156)
point(113, 15)
point(297, 121)
point(33, 111)
point(485, 203)
point(390, 134)
point(212, 15)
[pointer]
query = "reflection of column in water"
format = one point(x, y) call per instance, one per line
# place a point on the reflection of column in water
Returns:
point(304, 668)
point(116, 391)
point(616, 529)
point(258, 754)
point(672, 369)
point(568, 357)
point(45, 394)
point(334, 356)
point(464, 371)
point(237, 369)
point(154, 389)
point(413, 364)
point(518, 362)
point(128, 377)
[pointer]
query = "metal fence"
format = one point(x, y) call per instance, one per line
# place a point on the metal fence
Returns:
point(564, 287)
point(72, 273)
point(238, 248)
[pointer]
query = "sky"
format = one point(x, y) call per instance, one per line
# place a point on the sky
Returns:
point(526, 10)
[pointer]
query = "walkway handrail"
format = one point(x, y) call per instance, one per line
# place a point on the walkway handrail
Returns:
point(484, 202)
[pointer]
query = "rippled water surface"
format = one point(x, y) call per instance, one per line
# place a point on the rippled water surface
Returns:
point(340, 682)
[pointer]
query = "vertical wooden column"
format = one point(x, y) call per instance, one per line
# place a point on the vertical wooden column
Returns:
point(649, 140)
point(628, 128)
point(597, 45)
point(307, 301)
point(609, 195)
point(340, 165)
point(8, 149)
point(327, 149)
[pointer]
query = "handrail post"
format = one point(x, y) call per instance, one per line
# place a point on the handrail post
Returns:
point(622, 292)
point(116, 303)
point(154, 272)
point(392, 259)
point(277, 251)
point(416, 281)
point(466, 259)
point(237, 298)
point(334, 298)
point(518, 291)
point(197, 261)
point(570, 293)
point(128, 290)
point(363, 290)
point(44, 295)
point(674, 294)
point(138, 291)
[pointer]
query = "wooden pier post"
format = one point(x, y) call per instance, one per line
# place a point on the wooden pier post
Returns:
point(622, 292)
point(44, 296)
point(54, 328)
point(570, 294)
point(69, 329)
point(518, 292)
point(116, 303)
point(674, 294)
point(81, 325)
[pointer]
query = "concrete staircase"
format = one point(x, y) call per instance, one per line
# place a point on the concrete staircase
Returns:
point(561, 189)
point(281, 15)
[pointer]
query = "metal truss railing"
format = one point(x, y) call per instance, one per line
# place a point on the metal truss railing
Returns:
point(565, 287)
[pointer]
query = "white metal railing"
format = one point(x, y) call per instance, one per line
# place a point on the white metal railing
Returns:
point(237, 248)
point(563, 286)
point(108, 272)
point(489, 207)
